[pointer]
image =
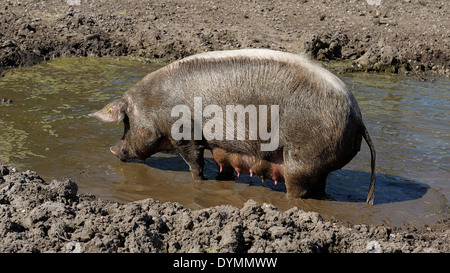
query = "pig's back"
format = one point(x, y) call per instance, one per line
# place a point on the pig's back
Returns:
point(256, 77)
point(251, 76)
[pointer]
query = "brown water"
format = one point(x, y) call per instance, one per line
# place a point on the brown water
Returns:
point(47, 129)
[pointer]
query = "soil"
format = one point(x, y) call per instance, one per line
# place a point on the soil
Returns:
point(410, 36)
point(36, 216)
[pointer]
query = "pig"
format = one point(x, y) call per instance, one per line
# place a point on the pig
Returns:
point(320, 127)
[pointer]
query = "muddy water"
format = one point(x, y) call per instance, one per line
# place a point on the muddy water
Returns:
point(47, 129)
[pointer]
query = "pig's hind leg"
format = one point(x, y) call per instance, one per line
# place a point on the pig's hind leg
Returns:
point(303, 179)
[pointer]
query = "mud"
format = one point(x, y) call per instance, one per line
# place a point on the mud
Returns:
point(396, 36)
point(37, 216)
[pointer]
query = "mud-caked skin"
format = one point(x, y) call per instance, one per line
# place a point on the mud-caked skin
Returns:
point(320, 124)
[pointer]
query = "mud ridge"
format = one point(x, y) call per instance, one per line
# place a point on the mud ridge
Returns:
point(37, 216)
point(397, 36)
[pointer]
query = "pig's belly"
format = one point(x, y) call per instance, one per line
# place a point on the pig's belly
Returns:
point(272, 169)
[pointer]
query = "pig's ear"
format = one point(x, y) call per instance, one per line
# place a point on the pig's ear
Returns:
point(113, 111)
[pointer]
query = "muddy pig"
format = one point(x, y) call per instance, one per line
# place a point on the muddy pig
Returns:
point(318, 127)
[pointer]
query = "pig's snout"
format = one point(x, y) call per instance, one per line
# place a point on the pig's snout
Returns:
point(112, 151)
point(116, 153)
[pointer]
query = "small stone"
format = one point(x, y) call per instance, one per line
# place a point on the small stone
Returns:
point(373, 247)
point(73, 247)
point(92, 37)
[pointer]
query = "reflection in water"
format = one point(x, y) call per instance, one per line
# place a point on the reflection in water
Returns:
point(47, 129)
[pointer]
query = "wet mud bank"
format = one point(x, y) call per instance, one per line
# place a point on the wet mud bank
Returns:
point(40, 216)
point(396, 36)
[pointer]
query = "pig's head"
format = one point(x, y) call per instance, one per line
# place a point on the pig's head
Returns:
point(138, 141)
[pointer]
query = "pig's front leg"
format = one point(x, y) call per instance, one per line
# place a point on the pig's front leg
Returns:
point(192, 152)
